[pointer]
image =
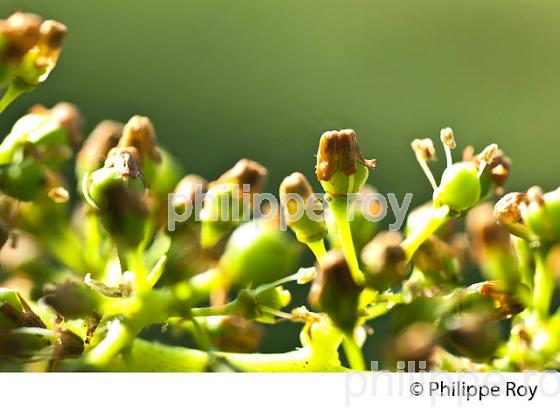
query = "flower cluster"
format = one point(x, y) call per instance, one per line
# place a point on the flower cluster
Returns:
point(82, 279)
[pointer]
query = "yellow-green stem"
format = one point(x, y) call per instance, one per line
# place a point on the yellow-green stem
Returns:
point(318, 248)
point(339, 209)
point(419, 235)
point(353, 353)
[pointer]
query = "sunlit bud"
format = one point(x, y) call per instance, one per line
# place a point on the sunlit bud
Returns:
point(295, 194)
point(187, 190)
point(384, 260)
point(92, 155)
point(258, 252)
point(341, 168)
point(46, 134)
point(335, 292)
point(117, 190)
point(229, 200)
point(139, 132)
point(40, 60)
point(542, 214)
point(18, 34)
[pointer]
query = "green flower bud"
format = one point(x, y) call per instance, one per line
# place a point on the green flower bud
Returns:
point(508, 213)
point(335, 292)
point(46, 134)
point(385, 261)
point(167, 175)
point(118, 191)
point(102, 139)
point(542, 214)
point(295, 192)
point(258, 252)
point(26, 181)
point(139, 132)
point(341, 168)
point(226, 194)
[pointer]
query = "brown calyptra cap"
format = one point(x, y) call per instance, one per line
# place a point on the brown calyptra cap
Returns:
point(385, 260)
point(52, 34)
point(507, 210)
point(126, 160)
point(96, 147)
point(22, 33)
point(296, 183)
point(187, 189)
point(244, 172)
point(485, 233)
point(339, 151)
point(139, 132)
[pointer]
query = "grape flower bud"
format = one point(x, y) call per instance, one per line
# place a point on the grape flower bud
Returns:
point(295, 192)
point(341, 168)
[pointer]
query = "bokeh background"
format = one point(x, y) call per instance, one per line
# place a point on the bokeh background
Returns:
point(263, 79)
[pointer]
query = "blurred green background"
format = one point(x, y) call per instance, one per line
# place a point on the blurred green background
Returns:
point(263, 79)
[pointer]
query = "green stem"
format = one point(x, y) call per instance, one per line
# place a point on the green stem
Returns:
point(339, 209)
point(13, 92)
point(119, 336)
point(318, 248)
point(419, 235)
point(153, 357)
point(353, 353)
point(544, 284)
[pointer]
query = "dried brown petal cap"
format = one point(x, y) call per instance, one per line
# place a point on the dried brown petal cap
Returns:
point(245, 172)
point(188, 188)
point(139, 132)
point(296, 183)
point(126, 160)
point(65, 114)
point(497, 163)
point(235, 334)
point(96, 147)
point(339, 151)
point(22, 33)
point(334, 290)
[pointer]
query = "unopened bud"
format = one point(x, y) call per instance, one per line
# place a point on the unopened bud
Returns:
point(20, 32)
point(295, 194)
point(102, 139)
point(139, 132)
point(384, 260)
point(335, 292)
point(341, 168)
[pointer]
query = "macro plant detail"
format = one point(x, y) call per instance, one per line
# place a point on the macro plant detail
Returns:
point(88, 267)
